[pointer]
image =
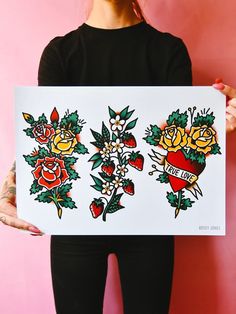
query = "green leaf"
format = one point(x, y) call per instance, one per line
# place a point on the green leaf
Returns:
point(31, 160)
point(105, 177)
point(112, 113)
point(215, 149)
point(98, 137)
point(97, 187)
point(124, 113)
point(114, 205)
point(129, 114)
point(99, 145)
point(183, 119)
point(150, 139)
point(173, 117)
point(69, 161)
point(186, 203)
point(201, 159)
point(68, 203)
point(114, 137)
point(105, 133)
point(54, 125)
point(43, 119)
point(131, 125)
point(72, 118)
point(42, 152)
point(64, 189)
point(204, 120)
point(193, 156)
point(156, 131)
point(73, 175)
point(44, 197)
point(76, 129)
point(97, 181)
point(35, 187)
point(178, 119)
point(163, 178)
point(172, 199)
point(209, 119)
point(80, 149)
point(95, 157)
point(29, 132)
point(97, 163)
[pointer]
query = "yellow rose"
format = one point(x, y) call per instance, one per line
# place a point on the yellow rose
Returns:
point(173, 138)
point(201, 138)
point(63, 142)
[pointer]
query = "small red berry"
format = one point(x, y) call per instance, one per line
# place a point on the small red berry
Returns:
point(136, 160)
point(96, 207)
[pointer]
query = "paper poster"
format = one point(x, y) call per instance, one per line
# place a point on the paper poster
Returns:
point(121, 160)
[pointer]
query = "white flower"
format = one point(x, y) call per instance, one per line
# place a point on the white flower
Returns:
point(121, 170)
point(117, 146)
point(107, 188)
point(117, 182)
point(108, 146)
point(117, 124)
point(104, 152)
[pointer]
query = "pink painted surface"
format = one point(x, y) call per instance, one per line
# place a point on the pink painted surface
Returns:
point(205, 267)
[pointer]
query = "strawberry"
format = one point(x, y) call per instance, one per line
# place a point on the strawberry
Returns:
point(108, 167)
point(96, 207)
point(128, 186)
point(129, 140)
point(136, 160)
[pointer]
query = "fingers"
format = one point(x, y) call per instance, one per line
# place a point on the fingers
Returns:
point(232, 102)
point(225, 89)
point(230, 122)
point(18, 223)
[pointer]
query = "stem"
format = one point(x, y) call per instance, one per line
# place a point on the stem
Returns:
point(179, 203)
point(108, 204)
point(125, 154)
point(103, 198)
point(55, 201)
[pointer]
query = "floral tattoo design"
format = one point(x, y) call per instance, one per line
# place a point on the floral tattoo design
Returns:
point(52, 162)
point(114, 157)
point(186, 153)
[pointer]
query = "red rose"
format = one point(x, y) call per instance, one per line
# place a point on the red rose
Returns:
point(50, 172)
point(43, 133)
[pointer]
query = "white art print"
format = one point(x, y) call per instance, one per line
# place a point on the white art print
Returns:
point(121, 160)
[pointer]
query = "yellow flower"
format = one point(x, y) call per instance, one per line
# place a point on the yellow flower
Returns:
point(173, 138)
point(63, 142)
point(201, 138)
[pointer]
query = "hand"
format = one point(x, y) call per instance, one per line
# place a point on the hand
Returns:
point(8, 213)
point(231, 108)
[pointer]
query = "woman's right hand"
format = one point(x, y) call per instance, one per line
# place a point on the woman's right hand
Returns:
point(8, 212)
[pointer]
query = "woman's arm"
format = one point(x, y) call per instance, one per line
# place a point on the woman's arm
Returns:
point(231, 108)
point(8, 212)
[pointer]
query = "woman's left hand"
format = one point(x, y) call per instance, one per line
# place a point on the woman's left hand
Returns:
point(231, 108)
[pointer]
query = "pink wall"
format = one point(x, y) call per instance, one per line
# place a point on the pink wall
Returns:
point(205, 267)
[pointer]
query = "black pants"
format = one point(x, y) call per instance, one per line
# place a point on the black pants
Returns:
point(79, 268)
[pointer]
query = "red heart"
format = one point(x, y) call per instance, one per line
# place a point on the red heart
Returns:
point(178, 160)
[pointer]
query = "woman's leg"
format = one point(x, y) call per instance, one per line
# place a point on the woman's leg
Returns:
point(146, 267)
point(79, 268)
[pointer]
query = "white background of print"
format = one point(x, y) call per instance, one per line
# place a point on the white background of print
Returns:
point(148, 211)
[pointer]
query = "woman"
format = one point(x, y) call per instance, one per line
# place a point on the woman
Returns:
point(114, 47)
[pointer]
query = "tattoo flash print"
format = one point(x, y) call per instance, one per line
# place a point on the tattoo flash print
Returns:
point(114, 157)
point(53, 161)
point(186, 153)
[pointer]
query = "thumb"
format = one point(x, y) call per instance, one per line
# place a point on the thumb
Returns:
point(225, 89)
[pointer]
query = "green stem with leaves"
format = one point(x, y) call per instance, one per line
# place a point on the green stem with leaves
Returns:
point(55, 201)
point(179, 203)
point(108, 204)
